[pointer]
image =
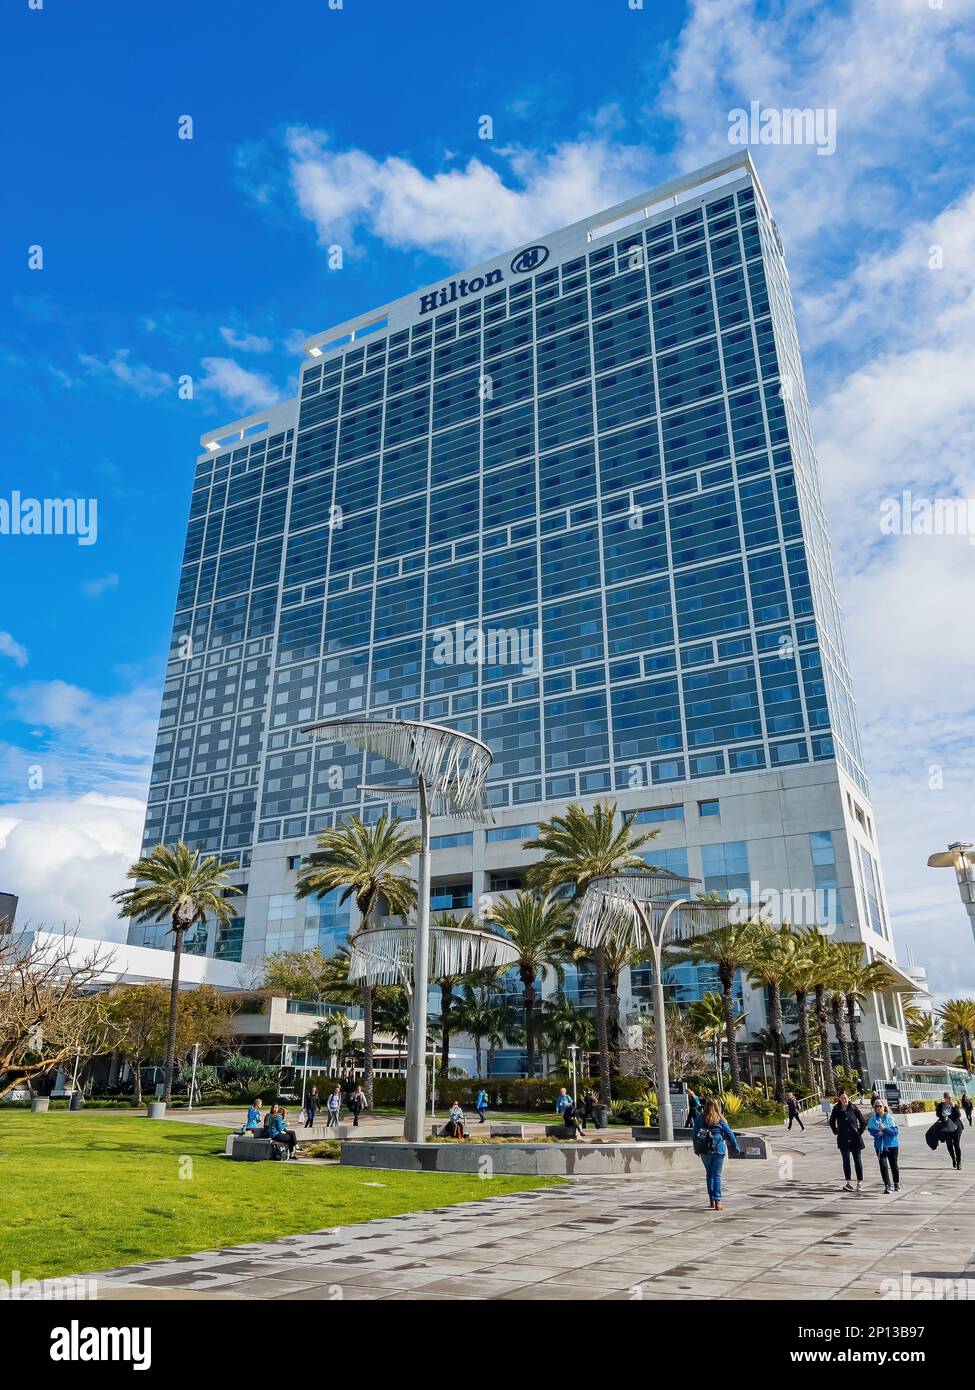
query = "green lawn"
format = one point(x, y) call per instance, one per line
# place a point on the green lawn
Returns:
point(83, 1192)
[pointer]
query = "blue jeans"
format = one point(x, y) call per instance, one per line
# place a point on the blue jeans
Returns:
point(713, 1163)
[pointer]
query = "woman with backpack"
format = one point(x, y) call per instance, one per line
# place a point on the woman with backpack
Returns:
point(885, 1143)
point(848, 1124)
point(792, 1106)
point(711, 1138)
point(334, 1107)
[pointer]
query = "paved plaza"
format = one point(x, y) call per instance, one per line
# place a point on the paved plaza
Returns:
point(788, 1231)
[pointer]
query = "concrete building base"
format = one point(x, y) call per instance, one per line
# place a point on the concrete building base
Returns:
point(568, 1160)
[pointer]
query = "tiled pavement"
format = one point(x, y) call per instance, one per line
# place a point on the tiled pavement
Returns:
point(787, 1231)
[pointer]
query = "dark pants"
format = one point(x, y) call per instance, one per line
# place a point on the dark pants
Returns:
point(889, 1171)
point(480, 1114)
point(953, 1145)
point(857, 1163)
point(356, 1112)
point(798, 1119)
point(288, 1137)
point(968, 1114)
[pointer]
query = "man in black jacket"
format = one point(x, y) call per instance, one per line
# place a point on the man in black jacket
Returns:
point(848, 1124)
point(951, 1127)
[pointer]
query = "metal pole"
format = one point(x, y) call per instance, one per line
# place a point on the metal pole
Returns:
point(573, 1049)
point(304, 1076)
point(416, 1072)
point(196, 1053)
point(664, 1109)
point(77, 1062)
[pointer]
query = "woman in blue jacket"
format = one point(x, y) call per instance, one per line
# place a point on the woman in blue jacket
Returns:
point(884, 1132)
point(711, 1138)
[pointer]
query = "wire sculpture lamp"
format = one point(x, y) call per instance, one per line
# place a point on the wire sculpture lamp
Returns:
point(449, 771)
point(646, 911)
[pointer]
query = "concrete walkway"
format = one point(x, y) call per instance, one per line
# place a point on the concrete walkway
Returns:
point(787, 1231)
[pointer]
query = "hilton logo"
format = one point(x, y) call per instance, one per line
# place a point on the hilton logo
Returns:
point(529, 259)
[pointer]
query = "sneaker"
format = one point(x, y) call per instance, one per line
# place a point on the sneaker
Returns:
point(847, 1187)
point(897, 1187)
point(718, 1206)
point(886, 1191)
point(859, 1185)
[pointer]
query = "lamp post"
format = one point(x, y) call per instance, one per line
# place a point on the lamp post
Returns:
point(647, 910)
point(304, 1076)
point(449, 770)
point(573, 1049)
point(959, 856)
point(196, 1053)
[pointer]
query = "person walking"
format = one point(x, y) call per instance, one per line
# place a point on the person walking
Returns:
point(693, 1107)
point(966, 1105)
point(334, 1106)
point(792, 1106)
point(312, 1106)
point(711, 1138)
point(357, 1104)
point(848, 1124)
point(588, 1110)
point(951, 1127)
point(481, 1104)
point(883, 1130)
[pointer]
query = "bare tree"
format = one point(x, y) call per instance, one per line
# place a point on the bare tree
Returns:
point(49, 1014)
point(684, 1054)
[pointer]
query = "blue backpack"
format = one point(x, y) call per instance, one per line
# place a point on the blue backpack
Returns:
point(705, 1141)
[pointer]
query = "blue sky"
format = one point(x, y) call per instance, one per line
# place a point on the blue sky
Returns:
point(360, 127)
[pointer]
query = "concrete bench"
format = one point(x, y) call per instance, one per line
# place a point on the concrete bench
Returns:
point(247, 1148)
point(558, 1132)
point(508, 1131)
point(438, 1130)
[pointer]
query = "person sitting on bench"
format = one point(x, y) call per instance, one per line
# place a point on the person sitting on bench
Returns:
point(255, 1120)
point(570, 1119)
point(454, 1128)
point(277, 1129)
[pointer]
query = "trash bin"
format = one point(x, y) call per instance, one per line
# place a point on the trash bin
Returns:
point(601, 1113)
point(157, 1110)
point(77, 1101)
point(40, 1105)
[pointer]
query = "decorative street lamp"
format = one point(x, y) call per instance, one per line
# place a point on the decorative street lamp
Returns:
point(960, 856)
point(647, 910)
point(573, 1049)
point(449, 771)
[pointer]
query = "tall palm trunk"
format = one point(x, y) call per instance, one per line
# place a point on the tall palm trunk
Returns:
point(963, 1047)
point(490, 1058)
point(368, 1059)
point(839, 1028)
point(528, 986)
point(851, 1018)
point(804, 1053)
point(446, 1004)
point(727, 978)
point(775, 1028)
point(477, 1053)
point(173, 1014)
point(613, 1019)
point(822, 1019)
point(602, 1027)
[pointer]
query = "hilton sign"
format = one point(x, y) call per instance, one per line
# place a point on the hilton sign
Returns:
point(526, 261)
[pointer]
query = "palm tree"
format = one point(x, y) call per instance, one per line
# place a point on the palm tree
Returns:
point(175, 882)
point(367, 863)
point(775, 948)
point(448, 986)
point(958, 1017)
point(474, 1014)
point(534, 925)
point(730, 948)
point(828, 967)
point(801, 982)
point(858, 980)
point(708, 1019)
point(391, 1014)
point(503, 1027)
point(837, 1001)
point(578, 847)
point(923, 1029)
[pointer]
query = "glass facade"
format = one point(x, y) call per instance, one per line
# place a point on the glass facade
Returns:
point(576, 514)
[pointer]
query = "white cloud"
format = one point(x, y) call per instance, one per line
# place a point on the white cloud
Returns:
point(245, 342)
point(9, 646)
point(467, 213)
point(243, 389)
point(65, 857)
point(143, 380)
point(94, 588)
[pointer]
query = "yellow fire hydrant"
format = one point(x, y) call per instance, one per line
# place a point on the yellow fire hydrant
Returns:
point(646, 1117)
